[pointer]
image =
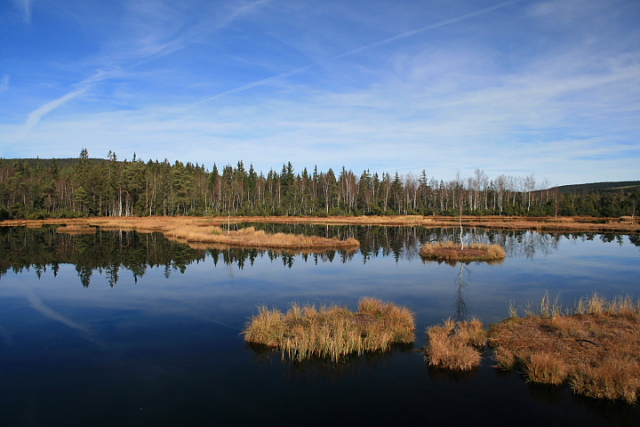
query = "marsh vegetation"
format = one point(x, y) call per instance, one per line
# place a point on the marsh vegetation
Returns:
point(593, 346)
point(453, 252)
point(455, 345)
point(332, 332)
point(193, 231)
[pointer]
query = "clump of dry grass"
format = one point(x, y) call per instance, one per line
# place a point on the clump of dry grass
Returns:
point(451, 251)
point(597, 304)
point(545, 368)
point(615, 378)
point(455, 345)
point(595, 346)
point(250, 237)
point(305, 331)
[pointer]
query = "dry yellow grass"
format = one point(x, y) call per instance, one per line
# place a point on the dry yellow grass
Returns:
point(250, 237)
point(496, 222)
point(305, 331)
point(451, 252)
point(201, 232)
point(596, 348)
point(455, 345)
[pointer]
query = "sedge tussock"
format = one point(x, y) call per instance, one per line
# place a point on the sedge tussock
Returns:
point(544, 368)
point(451, 251)
point(330, 332)
point(616, 378)
point(455, 345)
point(505, 359)
point(595, 347)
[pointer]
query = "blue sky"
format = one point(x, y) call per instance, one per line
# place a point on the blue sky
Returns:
point(549, 88)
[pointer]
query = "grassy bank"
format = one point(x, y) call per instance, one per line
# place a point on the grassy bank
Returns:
point(331, 332)
point(198, 232)
point(553, 224)
point(594, 346)
point(452, 252)
point(455, 345)
point(250, 237)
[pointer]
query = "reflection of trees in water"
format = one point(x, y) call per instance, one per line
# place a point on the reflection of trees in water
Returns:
point(406, 242)
point(23, 248)
point(108, 252)
point(460, 299)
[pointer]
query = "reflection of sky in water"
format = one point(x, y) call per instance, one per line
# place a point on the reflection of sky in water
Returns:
point(167, 351)
point(566, 268)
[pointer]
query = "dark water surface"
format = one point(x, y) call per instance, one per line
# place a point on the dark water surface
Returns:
point(119, 329)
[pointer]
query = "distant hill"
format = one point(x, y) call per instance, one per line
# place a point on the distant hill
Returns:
point(598, 186)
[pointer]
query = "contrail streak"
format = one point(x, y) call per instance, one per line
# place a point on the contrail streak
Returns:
point(26, 6)
point(35, 116)
point(260, 82)
point(428, 27)
point(363, 48)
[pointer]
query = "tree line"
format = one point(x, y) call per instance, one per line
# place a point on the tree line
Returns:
point(38, 188)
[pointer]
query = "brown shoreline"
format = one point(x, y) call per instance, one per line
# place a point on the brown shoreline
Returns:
point(560, 224)
point(197, 232)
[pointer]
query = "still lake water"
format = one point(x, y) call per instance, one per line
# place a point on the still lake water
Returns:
point(131, 329)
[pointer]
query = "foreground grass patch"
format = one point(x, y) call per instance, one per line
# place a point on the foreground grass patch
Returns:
point(455, 345)
point(332, 332)
point(453, 252)
point(595, 347)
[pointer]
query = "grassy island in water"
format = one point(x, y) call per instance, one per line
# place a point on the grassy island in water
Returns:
point(332, 332)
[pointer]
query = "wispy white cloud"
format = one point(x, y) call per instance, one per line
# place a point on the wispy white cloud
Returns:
point(535, 86)
point(364, 48)
point(157, 35)
point(159, 30)
point(428, 27)
point(25, 6)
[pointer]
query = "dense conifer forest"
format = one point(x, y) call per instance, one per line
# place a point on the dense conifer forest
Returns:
point(41, 188)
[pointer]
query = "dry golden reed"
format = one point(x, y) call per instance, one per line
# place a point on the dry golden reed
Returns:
point(451, 251)
point(622, 224)
point(455, 345)
point(331, 331)
point(615, 378)
point(592, 224)
point(203, 231)
point(545, 368)
point(595, 346)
